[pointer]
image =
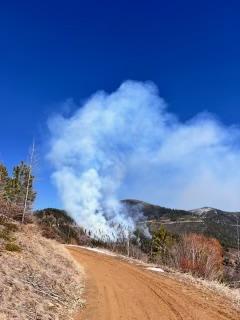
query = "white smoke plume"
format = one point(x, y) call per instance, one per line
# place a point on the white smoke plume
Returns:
point(127, 145)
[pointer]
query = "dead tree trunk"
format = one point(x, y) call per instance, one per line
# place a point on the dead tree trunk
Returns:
point(238, 238)
point(28, 182)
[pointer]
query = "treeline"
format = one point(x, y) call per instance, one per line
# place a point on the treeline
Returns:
point(191, 253)
point(17, 193)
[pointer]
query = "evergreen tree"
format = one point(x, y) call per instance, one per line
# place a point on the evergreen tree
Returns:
point(22, 185)
point(18, 189)
point(162, 241)
point(3, 180)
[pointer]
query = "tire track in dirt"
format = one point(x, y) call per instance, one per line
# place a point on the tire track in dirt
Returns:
point(216, 311)
point(118, 290)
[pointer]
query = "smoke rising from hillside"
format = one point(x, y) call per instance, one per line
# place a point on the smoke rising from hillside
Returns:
point(127, 145)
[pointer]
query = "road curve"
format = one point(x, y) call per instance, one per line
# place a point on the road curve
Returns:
point(118, 290)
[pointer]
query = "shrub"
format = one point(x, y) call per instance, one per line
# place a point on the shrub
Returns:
point(199, 255)
point(11, 227)
point(49, 233)
point(5, 235)
point(12, 247)
point(9, 209)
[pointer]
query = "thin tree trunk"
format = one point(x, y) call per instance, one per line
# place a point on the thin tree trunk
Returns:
point(238, 238)
point(28, 182)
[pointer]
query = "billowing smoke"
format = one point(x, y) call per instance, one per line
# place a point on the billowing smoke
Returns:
point(127, 145)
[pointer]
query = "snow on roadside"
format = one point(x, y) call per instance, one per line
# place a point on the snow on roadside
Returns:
point(156, 269)
point(147, 266)
point(99, 250)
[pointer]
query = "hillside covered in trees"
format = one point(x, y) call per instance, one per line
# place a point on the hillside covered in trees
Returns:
point(210, 222)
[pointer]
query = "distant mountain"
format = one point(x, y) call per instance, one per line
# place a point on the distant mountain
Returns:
point(208, 221)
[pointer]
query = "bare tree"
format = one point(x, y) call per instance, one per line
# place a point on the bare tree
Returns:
point(28, 181)
point(238, 237)
point(128, 244)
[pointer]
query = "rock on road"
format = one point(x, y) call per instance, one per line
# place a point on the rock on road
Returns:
point(119, 290)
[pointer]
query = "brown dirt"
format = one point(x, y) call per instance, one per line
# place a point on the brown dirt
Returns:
point(117, 289)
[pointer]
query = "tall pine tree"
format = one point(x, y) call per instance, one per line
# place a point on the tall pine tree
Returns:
point(22, 185)
point(17, 189)
point(3, 181)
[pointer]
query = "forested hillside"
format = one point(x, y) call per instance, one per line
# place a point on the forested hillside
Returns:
point(208, 221)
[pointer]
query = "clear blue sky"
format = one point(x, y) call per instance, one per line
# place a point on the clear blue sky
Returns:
point(55, 50)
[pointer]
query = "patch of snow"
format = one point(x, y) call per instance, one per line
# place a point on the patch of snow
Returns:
point(201, 210)
point(156, 269)
point(128, 259)
point(98, 250)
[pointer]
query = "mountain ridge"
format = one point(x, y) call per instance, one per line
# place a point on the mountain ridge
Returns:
point(206, 220)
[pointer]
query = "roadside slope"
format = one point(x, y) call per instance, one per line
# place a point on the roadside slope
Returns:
point(119, 290)
point(40, 280)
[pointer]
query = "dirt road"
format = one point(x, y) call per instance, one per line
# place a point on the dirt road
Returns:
point(118, 290)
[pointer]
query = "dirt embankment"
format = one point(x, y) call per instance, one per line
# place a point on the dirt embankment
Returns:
point(119, 290)
point(39, 280)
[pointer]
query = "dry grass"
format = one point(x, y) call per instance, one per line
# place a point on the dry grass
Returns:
point(40, 282)
point(232, 295)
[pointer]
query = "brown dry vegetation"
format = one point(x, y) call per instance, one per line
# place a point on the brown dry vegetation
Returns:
point(9, 209)
point(200, 256)
point(40, 281)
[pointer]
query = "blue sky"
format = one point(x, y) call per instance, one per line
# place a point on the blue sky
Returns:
point(52, 51)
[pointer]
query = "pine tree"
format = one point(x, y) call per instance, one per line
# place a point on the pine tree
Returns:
point(17, 190)
point(161, 242)
point(3, 181)
point(22, 185)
